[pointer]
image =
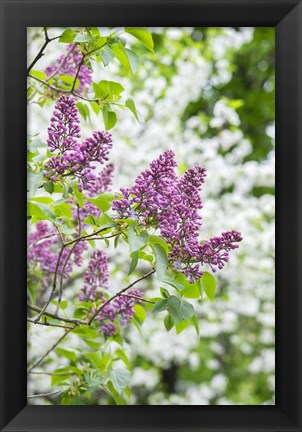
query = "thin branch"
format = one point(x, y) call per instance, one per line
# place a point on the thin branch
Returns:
point(81, 64)
point(62, 277)
point(42, 239)
point(84, 322)
point(36, 363)
point(48, 324)
point(52, 373)
point(56, 89)
point(45, 394)
point(41, 52)
point(57, 317)
point(54, 286)
point(61, 64)
point(86, 236)
point(60, 234)
point(118, 294)
point(138, 298)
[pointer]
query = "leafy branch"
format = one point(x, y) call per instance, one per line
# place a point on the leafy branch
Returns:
point(41, 52)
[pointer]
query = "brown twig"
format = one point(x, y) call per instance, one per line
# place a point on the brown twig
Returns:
point(54, 286)
point(45, 394)
point(118, 294)
point(37, 362)
point(41, 52)
point(62, 277)
point(55, 316)
point(48, 324)
point(62, 90)
point(138, 298)
point(61, 64)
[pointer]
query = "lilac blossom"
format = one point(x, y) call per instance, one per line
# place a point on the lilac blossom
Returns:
point(43, 251)
point(172, 205)
point(76, 158)
point(64, 129)
point(121, 309)
point(96, 276)
point(68, 64)
point(102, 184)
point(103, 181)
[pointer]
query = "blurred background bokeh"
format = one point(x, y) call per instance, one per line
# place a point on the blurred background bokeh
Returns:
point(208, 94)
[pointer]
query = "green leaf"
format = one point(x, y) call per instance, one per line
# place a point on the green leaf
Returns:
point(122, 355)
point(66, 190)
point(168, 321)
point(83, 38)
point(173, 305)
point(83, 110)
point(118, 399)
point(153, 239)
point(180, 310)
point(42, 199)
point(208, 283)
point(38, 74)
point(63, 209)
point(103, 201)
point(90, 220)
point(120, 379)
point(110, 88)
point(120, 53)
point(49, 186)
point(116, 241)
point(133, 59)
point(161, 260)
point(34, 181)
point(140, 313)
point(160, 306)
point(171, 282)
point(63, 304)
point(67, 79)
point(165, 293)
point(106, 55)
point(40, 212)
point(98, 360)
point(85, 331)
point(131, 106)
point(59, 379)
point(96, 107)
point(182, 326)
point(67, 36)
point(135, 241)
point(187, 310)
point(109, 118)
point(134, 261)
point(70, 355)
point(194, 322)
point(93, 382)
point(143, 35)
point(78, 194)
point(192, 290)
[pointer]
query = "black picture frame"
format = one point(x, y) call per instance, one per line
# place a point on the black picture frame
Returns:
point(286, 16)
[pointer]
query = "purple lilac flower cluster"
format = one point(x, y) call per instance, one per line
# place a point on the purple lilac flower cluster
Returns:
point(96, 276)
point(96, 280)
point(68, 64)
point(160, 199)
point(43, 251)
point(121, 307)
point(75, 158)
point(102, 184)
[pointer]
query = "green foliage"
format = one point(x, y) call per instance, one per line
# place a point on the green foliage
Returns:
point(208, 283)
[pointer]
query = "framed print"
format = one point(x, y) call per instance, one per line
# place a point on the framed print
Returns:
point(163, 277)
